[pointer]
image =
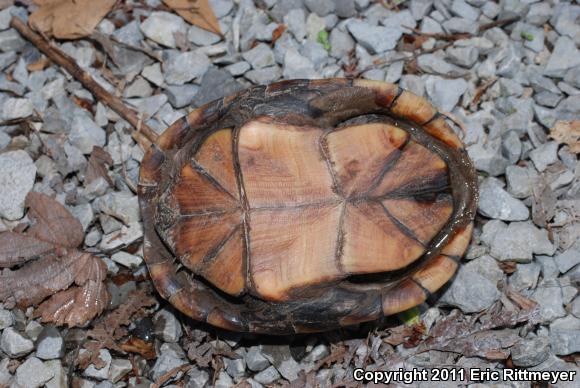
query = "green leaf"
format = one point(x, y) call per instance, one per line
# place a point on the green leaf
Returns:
point(527, 36)
point(410, 317)
point(323, 39)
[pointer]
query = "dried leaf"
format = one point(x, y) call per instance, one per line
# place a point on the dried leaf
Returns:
point(53, 222)
point(69, 19)
point(35, 281)
point(98, 166)
point(277, 33)
point(139, 346)
point(16, 248)
point(196, 12)
point(75, 306)
point(567, 132)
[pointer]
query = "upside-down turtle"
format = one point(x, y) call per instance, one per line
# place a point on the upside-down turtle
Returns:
point(306, 205)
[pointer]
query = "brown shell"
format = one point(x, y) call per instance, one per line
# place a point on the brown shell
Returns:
point(306, 205)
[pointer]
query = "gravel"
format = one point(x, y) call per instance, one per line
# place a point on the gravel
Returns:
point(17, 174)
point(49, 344)
point(376, 39)
point(161, 28)
point(14, 344)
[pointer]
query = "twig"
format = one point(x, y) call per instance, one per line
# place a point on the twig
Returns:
point(498, 23)
point(171, 373)
point(61, 59)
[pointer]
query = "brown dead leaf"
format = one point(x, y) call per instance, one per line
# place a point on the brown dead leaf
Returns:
point(277, 33)
point(137, 345)
point(196, 12)
point(35, 281)
point(16, 248)
point(75, 306)
point(53, 223)
point(69, 19)
point(567, 132)
point(98, 166)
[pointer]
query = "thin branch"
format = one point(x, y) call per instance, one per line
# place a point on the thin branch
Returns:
point(61, 59)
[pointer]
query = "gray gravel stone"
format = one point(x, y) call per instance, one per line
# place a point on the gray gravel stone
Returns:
point(314, 24)
point(126, 259)
point(161, 27)
point(530, 352)
point(49, 344)
point(238, 68)
point(216, 83)
point(256, 360)
point(497, 203)
point(298, 66)
point(264, 76)
point(460, 25)
point(374, 38)
point(15, 344)
point(17, 174)
point(201, 37)
point(520, 241)
point(224, 381)
point(167, 326)
point(520, 180)
point(171, 356)
point(435, 63)
point(85, 133)
point(487, 267)
point(470, 291)
point(5, 375)
point(33, 373)
point(345, 8)
point(100, 373)
point(565, 56)
point(198, 378)
point(260, 56)
point(565, 336)
point(153, 74)
point(539, 13)
point(121, 205)
point(16, 108)
point(6, 319)
point(567, 260)
point(511, 147)
point(119, 368)
point(525, 277)
point(545, 155)
point(548, 294)
point(267, 376)
point(341, 43)
point(464, 10)
point(236, 367)
point(296, 22)
point(320, 7)
point(181, 96)
point(463, 56)
point(184, 67)
point(445, 93)
point(10, 40)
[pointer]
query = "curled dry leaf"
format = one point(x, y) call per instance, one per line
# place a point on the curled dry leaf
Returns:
point(98, 166)
point(53, 222)
point(35, 281)
point(69, 19)
point(196, 12)
point(75, 306)
point(16, 248)
point(567, 132)
point(53, 226)
point(78, 305)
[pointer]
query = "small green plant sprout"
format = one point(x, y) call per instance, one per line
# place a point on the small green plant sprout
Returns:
point(323, 39)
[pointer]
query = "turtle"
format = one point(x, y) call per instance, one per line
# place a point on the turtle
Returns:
point(306, 206)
